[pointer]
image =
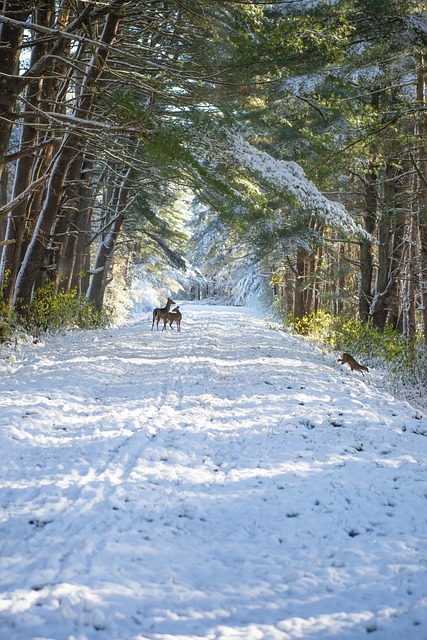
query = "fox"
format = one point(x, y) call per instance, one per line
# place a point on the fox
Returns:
point(352, 363)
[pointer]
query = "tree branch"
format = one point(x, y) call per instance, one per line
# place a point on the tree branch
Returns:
point(421, 176)
point(22, 196)
point(12, 157)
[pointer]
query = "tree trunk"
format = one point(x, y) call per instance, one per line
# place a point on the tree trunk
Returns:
point(16, 223)
point(341, 281)
point(104, 258)
point(10, 81)
point(71, 260)
point(421, 167)
point(386, 274)
point(299, 297)
point(366, 257)
point(409, 326)
point(311, 293)
point(73, 143)
point(3, 200)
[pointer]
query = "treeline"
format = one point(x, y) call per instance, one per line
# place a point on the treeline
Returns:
point(364, 141)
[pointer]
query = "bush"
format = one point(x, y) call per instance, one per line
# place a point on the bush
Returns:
point(51, 311)
point(6, 317)
point(315, 324)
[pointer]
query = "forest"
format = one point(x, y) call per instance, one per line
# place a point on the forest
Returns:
point(253, 148)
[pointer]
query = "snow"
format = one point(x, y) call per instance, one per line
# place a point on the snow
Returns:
point(228, 482)
point(300, 5)
point(304, 84)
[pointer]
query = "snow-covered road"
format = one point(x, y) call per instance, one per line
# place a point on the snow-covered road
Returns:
point(225, 482)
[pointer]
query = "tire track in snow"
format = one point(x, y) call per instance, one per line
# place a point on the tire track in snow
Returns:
point(88, 488)
point(155, 430)
point(114, 473)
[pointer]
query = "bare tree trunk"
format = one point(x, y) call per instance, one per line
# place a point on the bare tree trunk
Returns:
point(396, 267)
point(421, 166)
point(3, 200)
point(65, 226)
point(366, 257)
point(341, 281)
point(386, 274)
point(15, 13)
point(409, 326)
point(104, 258)
point(317, 281)
point(311, 293)
point(299, 308)
point(71, 260)
point(10, 81)
point(10, 84)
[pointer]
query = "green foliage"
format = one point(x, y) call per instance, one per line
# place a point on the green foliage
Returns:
point(125, 107)
point(52, 311)
point(6, 315)
point(314, 324)
point(366, 340)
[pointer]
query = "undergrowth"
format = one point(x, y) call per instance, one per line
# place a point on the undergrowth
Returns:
point(51, 311)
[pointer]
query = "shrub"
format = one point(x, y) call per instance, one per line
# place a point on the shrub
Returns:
point(6, 316)
point(51, 311)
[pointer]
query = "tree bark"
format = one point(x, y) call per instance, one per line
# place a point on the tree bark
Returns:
point(299, 297)
point(386, 274)
point(421, 133)
point(75, 243)
point(104, 258)
point(72, 144)
point(10, 82)
point(409, 325)
point(16, 223)
point(366, 256)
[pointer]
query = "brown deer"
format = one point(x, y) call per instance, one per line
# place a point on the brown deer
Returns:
point(175, 316)
point(162, 312)
point(352, 363)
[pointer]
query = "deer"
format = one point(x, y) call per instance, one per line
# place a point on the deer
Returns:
point(352, 363)
point(174, 316)
point(162, 312)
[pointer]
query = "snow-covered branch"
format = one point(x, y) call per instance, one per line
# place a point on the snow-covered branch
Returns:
point(290, 176)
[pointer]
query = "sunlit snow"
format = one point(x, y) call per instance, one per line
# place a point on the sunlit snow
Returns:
point(225, 482)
